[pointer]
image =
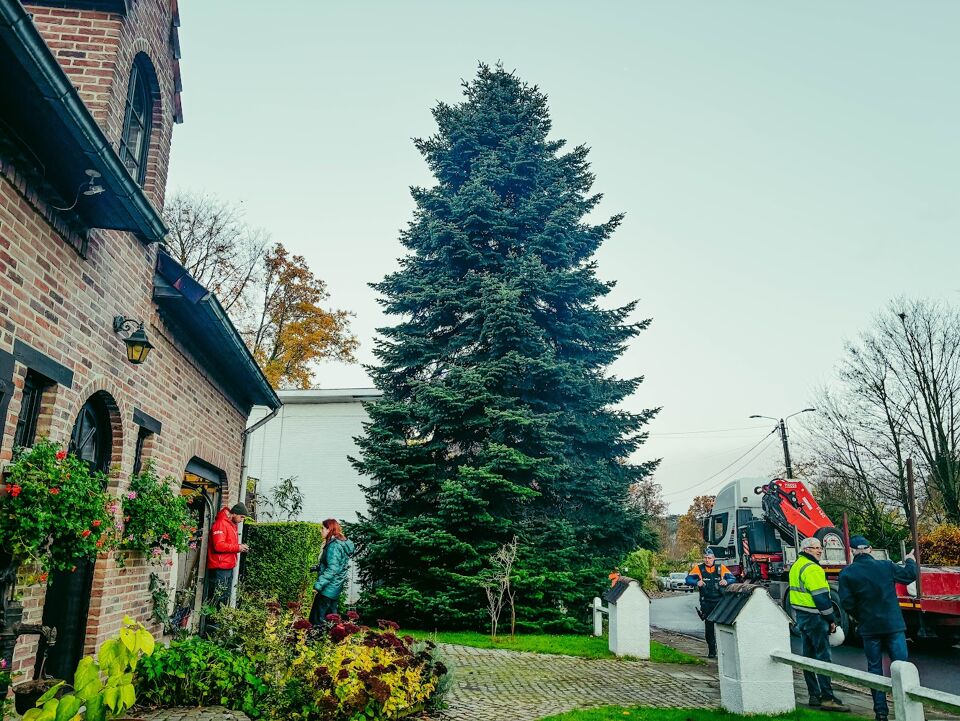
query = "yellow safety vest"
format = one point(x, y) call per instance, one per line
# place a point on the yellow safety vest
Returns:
point(807, 579)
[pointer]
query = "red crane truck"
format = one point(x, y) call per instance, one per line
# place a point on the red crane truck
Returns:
point(756, 532)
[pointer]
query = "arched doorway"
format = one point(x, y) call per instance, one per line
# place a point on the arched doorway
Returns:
point(203, 485)
point(67, 603)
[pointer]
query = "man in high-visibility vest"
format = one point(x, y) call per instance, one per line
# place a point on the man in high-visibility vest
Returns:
point(810, 599)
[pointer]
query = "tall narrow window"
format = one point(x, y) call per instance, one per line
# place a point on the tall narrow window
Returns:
point(33, 387)
point(142, 437)
point(135, 142)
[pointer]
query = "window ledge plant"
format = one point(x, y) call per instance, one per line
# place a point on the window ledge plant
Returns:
point(157, 520)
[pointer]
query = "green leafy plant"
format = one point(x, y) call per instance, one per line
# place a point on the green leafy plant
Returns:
point(6, 678)
point(55, 510)
point(281, 554)
point(640, 564)
point(157, 519)
point(103, 687)
point(196, 672)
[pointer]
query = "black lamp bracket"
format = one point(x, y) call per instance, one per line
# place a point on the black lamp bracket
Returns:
point(122, 323)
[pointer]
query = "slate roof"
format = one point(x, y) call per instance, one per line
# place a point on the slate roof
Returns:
point(612, 595)
point(732, 601)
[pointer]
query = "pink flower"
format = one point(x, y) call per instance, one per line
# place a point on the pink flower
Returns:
point(112, 508)
point(193, 546)
point(3, 663)
point(131, 495)
point(61, 455)
point(169, 562)
point(157, 551)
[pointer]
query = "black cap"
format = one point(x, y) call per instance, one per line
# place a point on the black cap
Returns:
point(239, 509)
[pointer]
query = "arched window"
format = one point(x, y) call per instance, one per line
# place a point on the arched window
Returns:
point(92, 437)
point(137, 118)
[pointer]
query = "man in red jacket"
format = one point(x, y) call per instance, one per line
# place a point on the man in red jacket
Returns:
point(223, 550)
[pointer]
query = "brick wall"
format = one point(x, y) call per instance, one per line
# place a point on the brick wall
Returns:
point(62, 305)
point(97, 50)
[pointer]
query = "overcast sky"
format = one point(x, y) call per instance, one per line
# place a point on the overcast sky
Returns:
point(785, 168)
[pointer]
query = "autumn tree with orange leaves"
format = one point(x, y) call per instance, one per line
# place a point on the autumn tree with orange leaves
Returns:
point(690, 526)
point(271, 296)
point(291, 330)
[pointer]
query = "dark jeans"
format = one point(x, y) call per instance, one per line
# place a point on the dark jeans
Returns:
point(322, 607)
point(709, 629)
point(814, 632)
point(219, 581)
point(895, 646)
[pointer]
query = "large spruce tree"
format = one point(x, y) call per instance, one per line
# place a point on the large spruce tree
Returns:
point(498, 416)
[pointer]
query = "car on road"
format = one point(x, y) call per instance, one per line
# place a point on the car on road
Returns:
point(678, 582)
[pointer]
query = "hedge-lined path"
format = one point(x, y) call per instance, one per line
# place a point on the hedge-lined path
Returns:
point(499, 685)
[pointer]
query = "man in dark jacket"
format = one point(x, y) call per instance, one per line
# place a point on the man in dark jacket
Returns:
point(709, 577)
point(868, 593)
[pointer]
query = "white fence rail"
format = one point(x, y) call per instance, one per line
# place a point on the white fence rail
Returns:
point(909, 696)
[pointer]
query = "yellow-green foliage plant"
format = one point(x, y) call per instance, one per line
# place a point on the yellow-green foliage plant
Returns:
point(103, 687)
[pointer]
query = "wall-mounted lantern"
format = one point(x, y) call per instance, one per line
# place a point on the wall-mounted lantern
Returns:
point(138, 346)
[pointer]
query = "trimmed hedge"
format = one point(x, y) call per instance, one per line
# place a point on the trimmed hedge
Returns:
point(278, 562)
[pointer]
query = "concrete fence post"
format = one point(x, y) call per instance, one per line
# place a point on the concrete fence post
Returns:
point(597, 617)
point(628, 609)
point(906, 678)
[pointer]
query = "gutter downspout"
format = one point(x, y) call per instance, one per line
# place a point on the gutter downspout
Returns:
point(243, 484)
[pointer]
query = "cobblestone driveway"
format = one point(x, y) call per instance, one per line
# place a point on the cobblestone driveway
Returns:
point(498, 685)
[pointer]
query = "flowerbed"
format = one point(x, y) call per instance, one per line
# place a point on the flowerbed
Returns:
point(270, 663)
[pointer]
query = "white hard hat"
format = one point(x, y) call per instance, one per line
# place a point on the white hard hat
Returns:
point(836, 638)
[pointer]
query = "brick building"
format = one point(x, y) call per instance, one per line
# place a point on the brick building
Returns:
point(89, 95)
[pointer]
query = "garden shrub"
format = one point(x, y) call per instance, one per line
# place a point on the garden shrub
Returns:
point(941, 547)
point(195, 672)
point(281, 554)
point(290, 670)
point(639, 564)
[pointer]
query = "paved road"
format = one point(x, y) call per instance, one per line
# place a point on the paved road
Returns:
point(937, 669)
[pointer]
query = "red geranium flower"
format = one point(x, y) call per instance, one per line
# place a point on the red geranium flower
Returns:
point(14, 490)
point(61, 455)
point(54, 491)
point(86, 532)
point(96, 524)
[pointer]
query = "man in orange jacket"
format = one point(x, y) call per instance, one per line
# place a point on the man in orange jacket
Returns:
point(223, 549)
point(708, 577)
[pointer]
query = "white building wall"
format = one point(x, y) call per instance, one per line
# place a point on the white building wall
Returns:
point(312, 438)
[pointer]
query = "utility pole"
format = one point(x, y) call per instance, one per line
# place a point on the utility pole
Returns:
point(786, 447)
point(782, 427)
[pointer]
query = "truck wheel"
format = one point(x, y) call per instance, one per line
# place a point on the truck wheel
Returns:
point(788, 609)
point(830, 537)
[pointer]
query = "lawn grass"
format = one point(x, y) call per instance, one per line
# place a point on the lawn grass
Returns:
point(562, 644)
point(640, 713)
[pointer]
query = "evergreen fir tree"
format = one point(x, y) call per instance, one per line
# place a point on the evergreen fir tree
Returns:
point(498, 416)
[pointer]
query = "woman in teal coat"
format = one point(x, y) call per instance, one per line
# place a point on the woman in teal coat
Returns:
point(334, 562)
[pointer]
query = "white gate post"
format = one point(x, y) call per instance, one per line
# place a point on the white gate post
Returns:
point(597, 617)
point(905, 678)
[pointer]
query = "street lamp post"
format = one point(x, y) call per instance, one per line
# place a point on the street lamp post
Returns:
point(782, 426)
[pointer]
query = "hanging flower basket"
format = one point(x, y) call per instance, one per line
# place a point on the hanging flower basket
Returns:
point(53, 510)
